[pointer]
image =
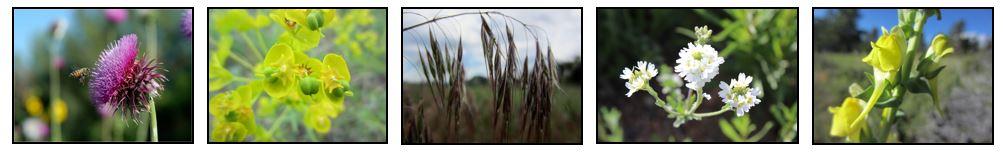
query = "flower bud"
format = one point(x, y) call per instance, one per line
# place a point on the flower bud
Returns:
point(939, 48)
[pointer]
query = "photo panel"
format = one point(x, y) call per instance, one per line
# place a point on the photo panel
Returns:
point(297, 75)
point(903, 76)
point(102, 75)
point(492, 76)
point(696, 75)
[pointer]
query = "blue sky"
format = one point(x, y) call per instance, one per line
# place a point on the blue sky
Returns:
point(978, 22)
point(563, 27)
point(31, 23)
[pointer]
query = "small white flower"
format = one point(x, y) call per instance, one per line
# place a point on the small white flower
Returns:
point(698, 64)
point(647, 69)
point(637, 79)
point(705, 95)
point(739, 94)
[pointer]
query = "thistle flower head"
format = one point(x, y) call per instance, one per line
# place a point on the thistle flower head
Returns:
point(638, 77)
point(739, 94)
point(123, 83)
point(698, 64)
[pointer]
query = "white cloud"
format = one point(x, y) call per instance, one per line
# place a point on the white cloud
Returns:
point(563, 27)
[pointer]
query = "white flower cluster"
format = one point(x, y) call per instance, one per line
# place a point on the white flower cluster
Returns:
point(638, 78)
point(739, 94)
point(698, 64)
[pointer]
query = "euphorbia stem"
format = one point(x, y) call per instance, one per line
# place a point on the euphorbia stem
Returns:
point(153, 122)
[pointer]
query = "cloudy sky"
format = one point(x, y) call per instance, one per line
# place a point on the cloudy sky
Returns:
point(563, 28)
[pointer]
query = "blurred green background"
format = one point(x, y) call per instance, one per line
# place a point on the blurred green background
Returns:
point(758, 42)
point(38, 50)
point(841, 39)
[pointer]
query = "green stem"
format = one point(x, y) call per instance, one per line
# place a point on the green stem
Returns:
point(724, 109)
point(243, 79)
point(106, 130)
point(699, 99)
point(57, 128)
point(153, 122)
point(658, 99)
point(878, 90)
point(142, 132)
point(279, 120)
point(261, 39)
point(252, 45)
point(241, 61)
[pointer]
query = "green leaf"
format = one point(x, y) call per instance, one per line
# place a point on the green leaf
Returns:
point(917, 85)
point(934, 73)
point(856, 90)
point(741, 125)
point(761, 133)
point(729, 131)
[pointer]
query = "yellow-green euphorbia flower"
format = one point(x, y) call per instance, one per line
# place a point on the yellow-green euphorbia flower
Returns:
point(277, 70)
point(842, 118)
point(229, 132)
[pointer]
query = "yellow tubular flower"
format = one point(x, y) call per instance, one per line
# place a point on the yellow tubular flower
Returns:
point(842, 118)
point(886, 54)
point(886, 58)
point(939, 48)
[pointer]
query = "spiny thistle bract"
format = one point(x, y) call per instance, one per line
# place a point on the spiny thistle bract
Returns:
point(123, 83)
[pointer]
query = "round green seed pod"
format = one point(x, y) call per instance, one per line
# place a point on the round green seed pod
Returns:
point(309, 85)
point(315, 20)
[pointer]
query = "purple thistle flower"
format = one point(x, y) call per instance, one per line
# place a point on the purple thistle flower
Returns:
point(123, 83)
point(186, 23)
point(116, 15)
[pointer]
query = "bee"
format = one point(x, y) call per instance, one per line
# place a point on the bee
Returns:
point(80, 74)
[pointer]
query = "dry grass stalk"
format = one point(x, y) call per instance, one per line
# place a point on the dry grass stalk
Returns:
point(536, 79)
